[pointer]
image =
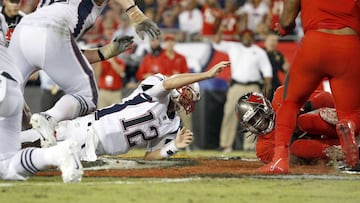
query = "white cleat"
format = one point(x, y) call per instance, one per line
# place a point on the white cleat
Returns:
point(45, 125)
point(69, 163)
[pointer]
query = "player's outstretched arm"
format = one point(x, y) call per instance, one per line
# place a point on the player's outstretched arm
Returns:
point(183, 139)
point(114, 48)
point(180, 80)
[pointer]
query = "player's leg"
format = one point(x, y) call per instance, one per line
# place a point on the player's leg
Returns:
point(313, 123)
point(344, 85)
point(72, 72)
point(312, 149)
point(27, 49)
point(302, 80)
point(31, 160)
point(67, 66)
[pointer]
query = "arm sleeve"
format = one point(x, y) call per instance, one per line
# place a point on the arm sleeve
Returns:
point(153, 86)
point(159, 143)
point(265, 148)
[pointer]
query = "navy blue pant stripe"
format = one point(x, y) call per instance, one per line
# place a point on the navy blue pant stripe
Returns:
point(23, 160)
point(83, 105)
point(87, 70)
point(28, 160)
point(31, 162)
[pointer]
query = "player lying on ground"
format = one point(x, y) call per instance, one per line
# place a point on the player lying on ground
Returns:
point(17, 164)
point(148, 116)
point(316, 137)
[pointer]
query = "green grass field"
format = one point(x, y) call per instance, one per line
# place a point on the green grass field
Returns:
point(344, 188)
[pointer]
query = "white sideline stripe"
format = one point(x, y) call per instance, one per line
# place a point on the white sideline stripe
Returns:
point(119, 182)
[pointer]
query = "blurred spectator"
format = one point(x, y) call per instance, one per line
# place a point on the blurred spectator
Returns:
point(109, 74)
point(253, 13)
point(13, 15)
point(168, 20)
point(262, 30)
point(231, 21)
point(277, 60)
point(212, 15)
point(276, 8)
point(249, 63)
point(190, 19)
point(165, 61)
point(150, 64)
point(50, 92)
point(166, 5)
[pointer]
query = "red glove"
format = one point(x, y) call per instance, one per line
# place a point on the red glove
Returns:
point(281, 31)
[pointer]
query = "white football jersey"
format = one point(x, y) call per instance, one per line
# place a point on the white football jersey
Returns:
point(78, 15)
point(140, 118)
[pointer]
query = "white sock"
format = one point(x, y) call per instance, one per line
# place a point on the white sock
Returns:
point(68, 107)
point(29, 161)
point(30, 135)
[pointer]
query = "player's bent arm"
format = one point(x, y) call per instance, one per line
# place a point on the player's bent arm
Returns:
point(142, 23)
point(114, 48)
point(291, 10)
point(180, 80)
point(183, 138)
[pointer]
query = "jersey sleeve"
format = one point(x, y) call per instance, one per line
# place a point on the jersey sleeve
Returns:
point(153, 86)
point(159, 143)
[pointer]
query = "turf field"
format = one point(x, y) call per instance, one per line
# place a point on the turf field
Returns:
point(241, 188)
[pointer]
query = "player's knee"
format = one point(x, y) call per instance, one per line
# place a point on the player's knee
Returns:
point(87, 104)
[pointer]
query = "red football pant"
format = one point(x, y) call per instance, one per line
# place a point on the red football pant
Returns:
point(321, 55)
point(312, 149)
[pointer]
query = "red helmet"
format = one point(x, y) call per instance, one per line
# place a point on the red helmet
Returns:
point(186, 97)
point(255, 113)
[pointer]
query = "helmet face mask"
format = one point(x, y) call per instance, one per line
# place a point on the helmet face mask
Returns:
point(186, 97)
point(255, 113)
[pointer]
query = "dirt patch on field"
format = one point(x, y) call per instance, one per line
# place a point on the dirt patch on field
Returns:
point(185, 167)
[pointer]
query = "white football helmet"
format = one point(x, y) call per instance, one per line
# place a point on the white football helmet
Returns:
point(255, 113)
point(186, 97)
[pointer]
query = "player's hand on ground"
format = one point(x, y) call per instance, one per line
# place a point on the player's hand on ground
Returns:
point(123, 42)
point(216, 69)
point(183, 138)
point(148, 27)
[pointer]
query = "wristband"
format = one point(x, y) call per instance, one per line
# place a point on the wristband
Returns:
point(101, 56)
point(169, 149)
point(128, 9)
point(136, 15)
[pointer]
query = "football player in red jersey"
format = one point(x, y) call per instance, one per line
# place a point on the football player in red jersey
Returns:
point(324, 22)
point(316, 128)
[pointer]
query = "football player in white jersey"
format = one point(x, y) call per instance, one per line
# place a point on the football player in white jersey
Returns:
point(148, 116)
point(17, 164)
point(45, 39)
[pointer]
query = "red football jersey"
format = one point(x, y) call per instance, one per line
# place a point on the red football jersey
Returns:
point(210, 17)
point(330, 14)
